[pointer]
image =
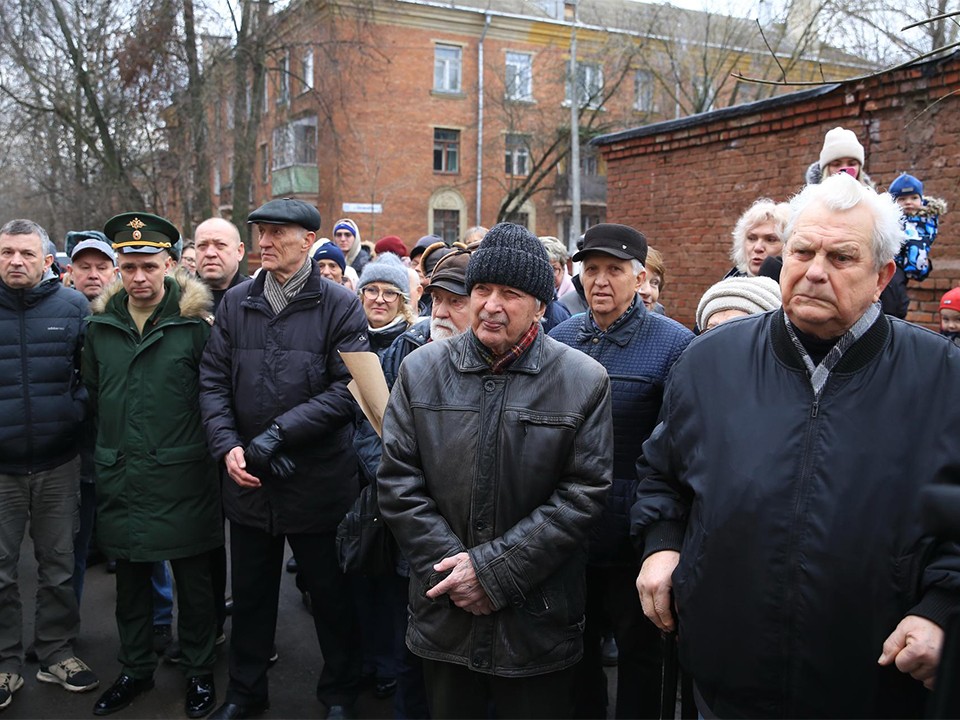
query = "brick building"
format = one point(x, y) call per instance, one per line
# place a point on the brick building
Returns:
point(686, 182)
point(416, 117)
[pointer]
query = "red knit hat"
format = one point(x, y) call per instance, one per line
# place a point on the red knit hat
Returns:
point(391, 243)
point(951, 300)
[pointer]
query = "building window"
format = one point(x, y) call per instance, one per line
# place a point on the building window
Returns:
point(216, 181)
point(589, 85)
point(447, 68)
point(519, 76)
point(446, 150)
point(283, 81)
point(295, 143)
point(516, 155)
point(588, 163)
point(264, 164)
point(446, 224)
point(643, 83)
point(307, 71)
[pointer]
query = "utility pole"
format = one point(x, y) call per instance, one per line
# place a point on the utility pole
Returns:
point(574, 168)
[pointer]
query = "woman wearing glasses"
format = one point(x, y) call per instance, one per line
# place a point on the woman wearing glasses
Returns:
point(384, 290)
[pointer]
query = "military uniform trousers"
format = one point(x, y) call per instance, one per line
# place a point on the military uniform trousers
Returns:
point(196, 615)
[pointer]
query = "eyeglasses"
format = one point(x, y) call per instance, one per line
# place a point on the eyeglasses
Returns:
point(371, 292)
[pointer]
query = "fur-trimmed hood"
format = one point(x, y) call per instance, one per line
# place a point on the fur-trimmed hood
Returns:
point(814, 176)
point(196, 300)
point(933, 207)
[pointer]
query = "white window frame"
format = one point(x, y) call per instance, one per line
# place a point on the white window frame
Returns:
point(589, 85)
point(518, 76)
point(283, 81)
point(516, 155)
point(307, 68)
point(643, 89)
point(295, 143)
point(447, 68)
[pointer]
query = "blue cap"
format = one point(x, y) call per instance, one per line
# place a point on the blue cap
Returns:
point(93, 244)
point(905, 185)
point(329, 251)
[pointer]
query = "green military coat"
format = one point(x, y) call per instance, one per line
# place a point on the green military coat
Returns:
point(157, 486)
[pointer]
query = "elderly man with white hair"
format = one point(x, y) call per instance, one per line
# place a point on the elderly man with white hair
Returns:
point(779, 500)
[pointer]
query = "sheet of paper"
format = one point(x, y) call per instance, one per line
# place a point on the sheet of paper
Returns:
point(368, 386)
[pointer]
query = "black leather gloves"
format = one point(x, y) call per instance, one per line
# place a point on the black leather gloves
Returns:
point(264, 452)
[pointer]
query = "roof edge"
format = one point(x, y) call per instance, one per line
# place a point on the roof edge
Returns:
point(713, 115)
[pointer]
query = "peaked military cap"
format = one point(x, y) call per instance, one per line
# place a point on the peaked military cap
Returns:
point(140, 232)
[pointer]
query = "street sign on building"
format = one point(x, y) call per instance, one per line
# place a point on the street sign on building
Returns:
point(368, 208)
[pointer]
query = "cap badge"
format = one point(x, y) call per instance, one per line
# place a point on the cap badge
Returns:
point(136, 224)
point(623, 247)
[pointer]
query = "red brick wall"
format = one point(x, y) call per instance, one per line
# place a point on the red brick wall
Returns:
point(686, 188)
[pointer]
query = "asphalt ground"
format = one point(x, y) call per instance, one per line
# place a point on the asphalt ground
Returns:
point(292, 680)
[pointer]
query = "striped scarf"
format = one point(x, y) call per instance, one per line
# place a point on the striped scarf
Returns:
point(279, 296)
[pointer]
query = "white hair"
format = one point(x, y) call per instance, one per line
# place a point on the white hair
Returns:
point(763, 210)
point(842, 192)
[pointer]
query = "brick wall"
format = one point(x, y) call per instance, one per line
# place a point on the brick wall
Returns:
point(685, 183)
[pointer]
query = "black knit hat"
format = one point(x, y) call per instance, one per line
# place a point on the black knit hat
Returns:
point(512, 255)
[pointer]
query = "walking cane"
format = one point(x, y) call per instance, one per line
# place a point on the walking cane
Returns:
point(668, 676)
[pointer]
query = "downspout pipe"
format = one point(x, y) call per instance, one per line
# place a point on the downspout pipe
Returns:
point(483, 35)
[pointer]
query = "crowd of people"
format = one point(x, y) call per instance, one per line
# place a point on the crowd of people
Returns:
point(564, 469)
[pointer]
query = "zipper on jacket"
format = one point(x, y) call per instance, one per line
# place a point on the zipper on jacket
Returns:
point(25, 369)
point(815, 408)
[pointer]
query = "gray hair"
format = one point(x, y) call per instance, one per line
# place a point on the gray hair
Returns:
point(763, 210)
point(556, 250)
point(842, 192)
point(29, 227)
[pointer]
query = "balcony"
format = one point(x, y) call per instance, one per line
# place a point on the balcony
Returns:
point(593, 189)
point(295, 180)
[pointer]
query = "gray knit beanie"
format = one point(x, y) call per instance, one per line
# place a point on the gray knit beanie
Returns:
point(750, 294)
point(386, 268)
point(512, 255)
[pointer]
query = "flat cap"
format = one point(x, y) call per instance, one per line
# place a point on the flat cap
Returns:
point(286, 211)
point(141, 232)
point(621, 241)
point(450, 273)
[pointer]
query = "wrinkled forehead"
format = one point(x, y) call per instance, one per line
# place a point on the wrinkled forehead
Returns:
point(30, 241)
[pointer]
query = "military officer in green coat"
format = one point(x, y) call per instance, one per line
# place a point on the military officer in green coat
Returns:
point(157, 486)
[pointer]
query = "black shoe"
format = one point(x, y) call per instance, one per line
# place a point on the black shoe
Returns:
point(229, 711)
point(292, 566)
point(162, 637)
point(201, 696)
point(385, 688)
point(121, 694)
point(340, 712)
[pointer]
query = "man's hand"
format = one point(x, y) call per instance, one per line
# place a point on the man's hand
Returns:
point(915, 647)
point(237, 469)
point(654, 584)
point(461, 585)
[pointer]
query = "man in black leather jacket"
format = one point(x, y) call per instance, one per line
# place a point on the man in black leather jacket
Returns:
point(497, 456)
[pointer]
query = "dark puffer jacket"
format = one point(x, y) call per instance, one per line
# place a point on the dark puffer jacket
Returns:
point(416, 336)
point(42, 402)
point(638, 351)
point(799, 521)
point(260, 367)
point(511, 468)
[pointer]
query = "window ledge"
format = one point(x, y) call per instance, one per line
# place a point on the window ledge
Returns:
point(448, 94)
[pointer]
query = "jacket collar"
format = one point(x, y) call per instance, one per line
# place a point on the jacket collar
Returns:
point(184, 298)
point(621, 331)
point(28, 297)
point(314, 287)
point(858, 356)
point(469, 360)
